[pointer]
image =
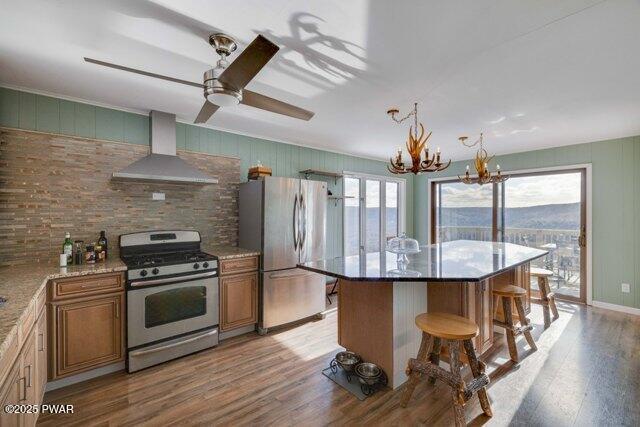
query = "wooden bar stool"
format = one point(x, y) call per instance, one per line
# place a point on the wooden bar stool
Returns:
point(517, 294)
point(547, 297)
point(453, 330)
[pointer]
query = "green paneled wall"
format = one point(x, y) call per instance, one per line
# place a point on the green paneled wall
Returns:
point(24, 110)
point(616, 208)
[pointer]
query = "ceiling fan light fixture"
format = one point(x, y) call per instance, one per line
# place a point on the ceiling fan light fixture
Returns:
point(218, 93)
point(224, 98)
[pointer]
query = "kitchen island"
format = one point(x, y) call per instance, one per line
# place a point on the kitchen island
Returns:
point(378, 298)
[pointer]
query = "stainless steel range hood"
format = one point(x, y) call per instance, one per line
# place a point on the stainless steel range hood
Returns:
point(163, 165)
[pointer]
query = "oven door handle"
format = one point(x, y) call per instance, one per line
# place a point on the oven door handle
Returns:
point(174, 279)
point(175, 344)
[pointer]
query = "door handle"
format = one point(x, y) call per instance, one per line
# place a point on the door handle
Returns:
point(41, 342)
point(28, 382)
point(303, 205)
point(175, 344)
point(174, 279)
point(295, 223)
point(23, 387)
point(582, 240)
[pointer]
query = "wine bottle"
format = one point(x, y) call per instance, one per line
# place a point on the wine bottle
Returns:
point(102, 241)
point(67, 248)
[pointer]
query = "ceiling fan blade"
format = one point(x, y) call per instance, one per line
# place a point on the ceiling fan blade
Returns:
point(249, 63)
point(266, 103)
point(144, 73)
point(206, 112)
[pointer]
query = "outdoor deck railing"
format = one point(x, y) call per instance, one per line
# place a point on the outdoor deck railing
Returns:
point(563, 247)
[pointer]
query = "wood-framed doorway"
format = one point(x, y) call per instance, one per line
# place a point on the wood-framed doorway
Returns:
point(568, 252)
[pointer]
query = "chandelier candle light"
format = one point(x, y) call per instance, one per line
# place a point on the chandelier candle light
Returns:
point(415, 144)
point(481, 164)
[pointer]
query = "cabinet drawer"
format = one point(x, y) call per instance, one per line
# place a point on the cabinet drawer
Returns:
point(86, 285)
point(238, 265)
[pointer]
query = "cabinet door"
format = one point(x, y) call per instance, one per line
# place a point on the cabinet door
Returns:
point(28, 356)
point(88, 334)
point(41, 355)
point(238, 300)
point(11, 393)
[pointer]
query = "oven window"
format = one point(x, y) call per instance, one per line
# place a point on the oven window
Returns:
point(174, 305)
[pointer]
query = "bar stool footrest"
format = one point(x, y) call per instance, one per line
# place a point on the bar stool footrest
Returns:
point(517, 330)
point(426, 368)
point(475, 385)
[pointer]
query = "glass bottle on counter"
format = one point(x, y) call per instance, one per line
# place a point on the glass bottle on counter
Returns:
point(90, 255)
point(102, 241)
point(67, 248)
point(97, 248)
point(77, 252)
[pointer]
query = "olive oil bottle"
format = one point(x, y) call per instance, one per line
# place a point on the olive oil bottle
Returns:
point(67, 248)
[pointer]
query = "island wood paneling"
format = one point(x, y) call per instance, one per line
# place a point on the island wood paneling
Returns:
point(29, 111)
point(365, 321)
point(409, 300)
point(616, 207)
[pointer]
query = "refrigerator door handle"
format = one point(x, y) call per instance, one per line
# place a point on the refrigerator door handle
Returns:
point(303, 207)
point(295, 223)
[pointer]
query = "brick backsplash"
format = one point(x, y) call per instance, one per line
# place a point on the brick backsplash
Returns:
point(50, 184)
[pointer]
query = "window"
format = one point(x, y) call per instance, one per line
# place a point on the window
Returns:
point(373, 212)
point(351, 216)
point(391, 205)
point(372, 216)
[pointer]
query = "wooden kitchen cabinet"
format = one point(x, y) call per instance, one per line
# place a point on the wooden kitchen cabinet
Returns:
point(467, 299)
point(238, 292)
point(238, 300)
point(11, 391)
point(87, 333)
point(41, 355)
point(86, 323)
point(30, 380)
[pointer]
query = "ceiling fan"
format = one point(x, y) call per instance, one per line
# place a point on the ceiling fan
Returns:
point(224, 85)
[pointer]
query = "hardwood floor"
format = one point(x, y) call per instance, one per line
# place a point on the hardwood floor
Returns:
point(586, 372)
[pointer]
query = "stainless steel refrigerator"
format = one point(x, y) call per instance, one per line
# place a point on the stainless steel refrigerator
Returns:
point(285, 219)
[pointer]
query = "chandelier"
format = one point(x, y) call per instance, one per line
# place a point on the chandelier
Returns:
point(481, 164)
point(415, 145)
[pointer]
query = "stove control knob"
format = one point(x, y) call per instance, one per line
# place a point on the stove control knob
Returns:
point(205, 265)
point(196, 266)
point(143, 273)
point(155, 271)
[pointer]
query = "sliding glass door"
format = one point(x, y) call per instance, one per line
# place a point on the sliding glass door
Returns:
point(544, 210)
point(373, 212)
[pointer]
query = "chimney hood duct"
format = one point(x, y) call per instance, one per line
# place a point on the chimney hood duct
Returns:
point(163, 165)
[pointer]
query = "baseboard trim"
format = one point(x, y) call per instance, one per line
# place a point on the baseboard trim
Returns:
point(84, 376)
point(239, 331)
point(616, 307)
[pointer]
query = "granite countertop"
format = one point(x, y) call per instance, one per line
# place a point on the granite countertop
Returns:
point(228, 252)
point(21, 284)
point(457, 261)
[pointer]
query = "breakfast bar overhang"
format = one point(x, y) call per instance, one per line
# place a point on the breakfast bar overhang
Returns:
point(378, 299)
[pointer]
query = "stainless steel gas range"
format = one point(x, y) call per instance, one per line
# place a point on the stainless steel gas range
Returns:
point(172, 296)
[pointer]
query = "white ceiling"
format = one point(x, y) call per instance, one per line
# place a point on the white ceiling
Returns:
point(530, 74)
